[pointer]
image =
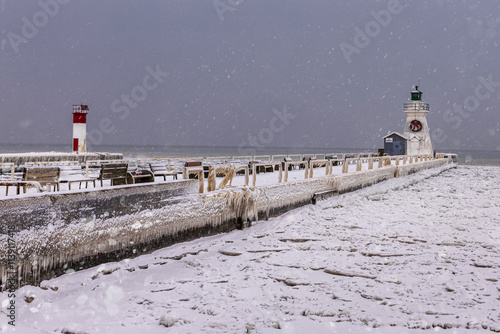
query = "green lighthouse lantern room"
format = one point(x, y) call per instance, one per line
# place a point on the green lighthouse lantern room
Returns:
point(416, 95)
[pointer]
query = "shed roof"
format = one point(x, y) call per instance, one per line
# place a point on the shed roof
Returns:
point(395, 133)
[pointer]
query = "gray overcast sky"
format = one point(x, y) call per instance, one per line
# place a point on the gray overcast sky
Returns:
point(230, 64)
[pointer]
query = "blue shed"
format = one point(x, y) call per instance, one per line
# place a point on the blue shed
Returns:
point(395, 144)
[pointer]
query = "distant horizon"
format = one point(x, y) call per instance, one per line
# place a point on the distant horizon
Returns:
point(218, 146)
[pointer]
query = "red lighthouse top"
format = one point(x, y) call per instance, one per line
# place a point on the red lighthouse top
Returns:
point(80, 113)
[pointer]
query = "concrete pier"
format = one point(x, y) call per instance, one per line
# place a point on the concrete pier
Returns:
point(19, 159)
point(55, 233)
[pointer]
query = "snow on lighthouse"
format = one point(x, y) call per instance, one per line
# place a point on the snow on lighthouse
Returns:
point(80, 128)
point(416, 129)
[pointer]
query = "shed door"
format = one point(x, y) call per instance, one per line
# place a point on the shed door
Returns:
point(398, 149)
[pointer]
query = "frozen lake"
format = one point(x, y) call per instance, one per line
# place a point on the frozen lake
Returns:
point(417, 252)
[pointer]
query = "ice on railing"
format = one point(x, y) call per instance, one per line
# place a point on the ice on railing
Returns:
point(24, 158)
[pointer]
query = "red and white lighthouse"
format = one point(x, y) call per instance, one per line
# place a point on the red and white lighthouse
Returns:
point(80, 128)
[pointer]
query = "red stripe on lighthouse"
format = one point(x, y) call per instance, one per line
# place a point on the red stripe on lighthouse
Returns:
point(79, 118)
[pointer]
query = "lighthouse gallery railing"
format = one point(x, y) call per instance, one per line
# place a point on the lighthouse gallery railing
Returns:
point(417, 106)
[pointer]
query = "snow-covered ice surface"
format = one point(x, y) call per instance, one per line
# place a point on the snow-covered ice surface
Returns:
point(406, 254)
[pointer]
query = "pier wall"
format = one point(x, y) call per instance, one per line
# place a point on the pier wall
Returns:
point(404, 170)
point(22, 159)
point(60, 232)
point(73, 207)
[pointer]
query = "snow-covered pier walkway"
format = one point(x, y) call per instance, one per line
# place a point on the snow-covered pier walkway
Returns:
point(54, 232)
point(414, 254)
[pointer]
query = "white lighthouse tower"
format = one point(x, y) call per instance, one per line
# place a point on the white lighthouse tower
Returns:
point(416, 129)
point(80, 128)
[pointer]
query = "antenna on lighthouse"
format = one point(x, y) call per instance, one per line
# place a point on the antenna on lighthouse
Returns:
point(80, 112)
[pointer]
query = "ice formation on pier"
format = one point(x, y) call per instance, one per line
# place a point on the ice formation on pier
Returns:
point(52, 245)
